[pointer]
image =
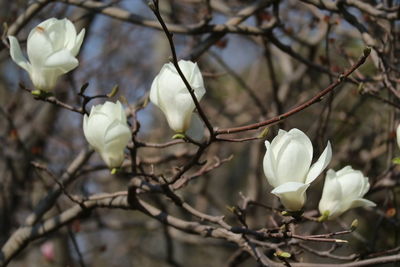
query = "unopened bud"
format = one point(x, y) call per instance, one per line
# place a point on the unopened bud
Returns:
point(178, 136)
point(114, 170)
point(354, 225)
point(283, 254)
point(114, 91)
point(264, 133)
point(367, 51)
point(324, 216)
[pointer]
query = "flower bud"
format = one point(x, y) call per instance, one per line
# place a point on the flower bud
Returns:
point(169, 93)
point(52, 47)
point(107, 131)
point(287, 166)
point(343, 190)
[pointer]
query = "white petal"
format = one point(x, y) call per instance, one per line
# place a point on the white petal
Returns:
point(116, 138)
point(320, 165)
point(114, 111)
point(120, 115)
point(346, 205)
point(96, 125)
point(78, 43)
point(44, 79)
point(362, 202)
point(398, 135)
point(193, 75)
point(292, 195)
point(293, 162)
point(169, 81)
point(331, 196)
point(154, 92)
point(279, 140)
point(16, 54)
point(179, 112)
point(92, 136)
point(117, 131)
point(301, 137)
point(113, 160)
point(56, 32)
point(62, 60)
point(85, 122)
point(345, 170)
point(39, 46)
point(46, 24)
point(110, 108)
point(365, 187)
point(352, 184)
point(269, 164)
point(70, 35)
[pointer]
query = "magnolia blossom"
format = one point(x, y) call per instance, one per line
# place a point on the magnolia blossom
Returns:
point(107, 131)
point(343, 190)
point(169, 93)
point(287, 166)
point(52, 47)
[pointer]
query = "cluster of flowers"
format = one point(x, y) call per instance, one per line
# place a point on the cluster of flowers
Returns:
point(52, 47)
point(287, 166)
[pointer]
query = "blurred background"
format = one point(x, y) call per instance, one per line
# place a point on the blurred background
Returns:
point(281, 55)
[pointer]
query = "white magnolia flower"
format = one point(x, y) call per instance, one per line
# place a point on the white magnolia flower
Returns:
point(343, 190)
point(287, 166)
point(107, 131)
point(170, 94)
point(52, 47)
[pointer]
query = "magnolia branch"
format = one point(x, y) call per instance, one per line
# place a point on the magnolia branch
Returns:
point(202, 27)
point(318, 97)
point(26, 234)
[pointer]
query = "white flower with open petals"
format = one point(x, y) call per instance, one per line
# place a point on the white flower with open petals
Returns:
point(287, 166)
point(169, 93)
point(107, 131)
point(343, 190)
point(52, 47)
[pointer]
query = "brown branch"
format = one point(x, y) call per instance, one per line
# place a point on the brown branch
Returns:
point(66, 178)
point(194, 29)
point(328, 253)
point(39, 166)
point(361, 5)
point(318, 97)
point(205, 169)
point(54, 101)
point(241, 16)
point(26, 234)
point(162, 145)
